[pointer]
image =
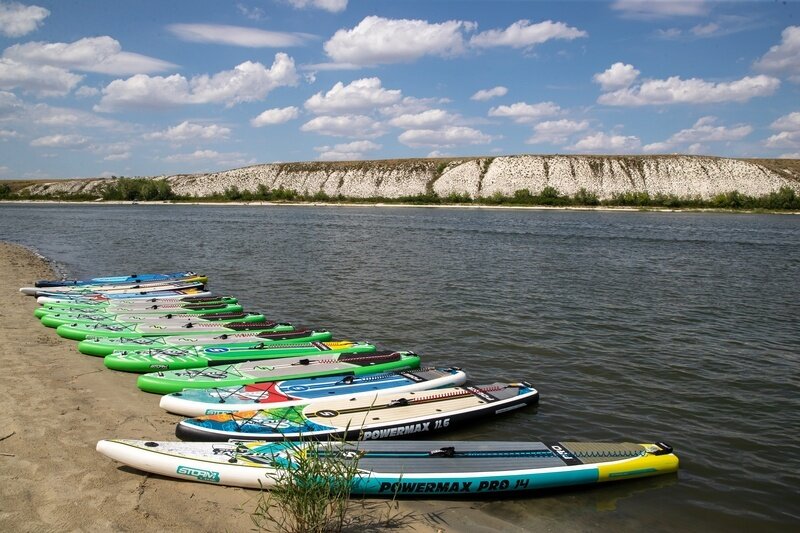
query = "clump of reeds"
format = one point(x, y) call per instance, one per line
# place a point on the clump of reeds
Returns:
point(311, 490)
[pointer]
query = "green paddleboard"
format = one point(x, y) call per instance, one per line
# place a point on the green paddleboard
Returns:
point(202, 356)
point(191, 309)
point(57, 319)
point(79, 332)
point(103, 346)
point(277, 370)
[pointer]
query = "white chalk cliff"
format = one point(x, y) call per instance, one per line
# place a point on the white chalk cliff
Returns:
point(678, 175)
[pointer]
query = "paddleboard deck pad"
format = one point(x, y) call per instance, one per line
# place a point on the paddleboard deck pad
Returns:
point(405, 468)
point(381, 416)
point(198, 402)
point(277, 370)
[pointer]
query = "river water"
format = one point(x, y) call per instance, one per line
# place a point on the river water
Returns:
point(679, 327)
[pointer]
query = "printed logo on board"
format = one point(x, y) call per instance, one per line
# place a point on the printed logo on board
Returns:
point(199, 474)
point(216, 350)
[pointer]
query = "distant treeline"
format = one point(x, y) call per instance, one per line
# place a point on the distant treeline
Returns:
point(142, 189)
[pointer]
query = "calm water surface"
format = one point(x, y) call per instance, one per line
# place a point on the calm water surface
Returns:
point(681, 327)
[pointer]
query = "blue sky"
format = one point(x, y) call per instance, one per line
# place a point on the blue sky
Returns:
point(93, 88)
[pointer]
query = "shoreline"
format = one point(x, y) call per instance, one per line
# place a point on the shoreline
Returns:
point(49, 468)
point(621, 209)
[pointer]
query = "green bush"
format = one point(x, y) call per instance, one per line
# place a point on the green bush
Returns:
point(5, 191)
point(133, 189)
point(784, 198)
point(584, 197)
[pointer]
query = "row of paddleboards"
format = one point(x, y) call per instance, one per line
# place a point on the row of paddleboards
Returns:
point(260, 393)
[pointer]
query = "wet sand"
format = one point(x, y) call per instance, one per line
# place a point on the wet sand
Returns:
point(56, 403)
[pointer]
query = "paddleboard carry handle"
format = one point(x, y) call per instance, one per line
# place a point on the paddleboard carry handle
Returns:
point(663, 449)
point(399, 402)
point(446, 451)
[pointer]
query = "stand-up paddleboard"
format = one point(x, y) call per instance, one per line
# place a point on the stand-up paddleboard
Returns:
point(133, 278)
point(198, 402)
point(154, 359)
point(177, 293)
point(380, 416)
point(277, 370)
point(191, 283)
point(136, 303)
point(404, 468)
point(54, 320)
point(103, 346)
point(79, 332)
point(188, 309)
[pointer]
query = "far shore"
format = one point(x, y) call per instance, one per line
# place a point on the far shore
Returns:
point(604, 208)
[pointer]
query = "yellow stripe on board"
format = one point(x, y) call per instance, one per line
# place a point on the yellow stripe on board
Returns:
point(646, 465)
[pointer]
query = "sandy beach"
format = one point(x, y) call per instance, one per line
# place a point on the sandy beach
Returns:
point(57, 403)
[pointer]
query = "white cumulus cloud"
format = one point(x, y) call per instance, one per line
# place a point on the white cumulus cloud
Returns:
point(488, 94)
point(447, 136)
point(783, 58)
point(92, 54)
point(347, 152)
point(377, 40)
point(17, 19)
point(247, 82)
point(788, 136)
point(46, 115)
point(344, 126)
point(42, 80)
point(787, 122)
point(277, 115)
point(189, 131)
point(237, 35)
point(705, 30)
point(432, 118)
point(523, 34)
point(61, 141)
point(606, 143)
point(704, 130)
point(204, 157)
point(358, 96)
point(86, 92)
point(334, 6)
point(556, 131)
point(617, 76)
point(522, 112)
point(659, 9)
point(675, 90)
point(253, 13)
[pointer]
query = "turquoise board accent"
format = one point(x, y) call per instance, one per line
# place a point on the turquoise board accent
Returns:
point(455, 484)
